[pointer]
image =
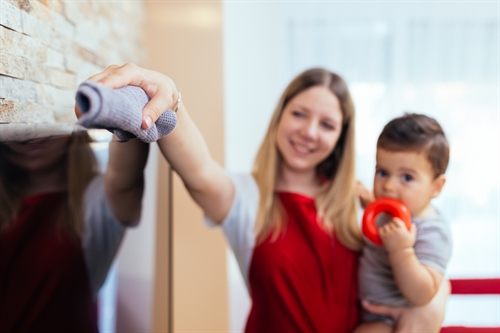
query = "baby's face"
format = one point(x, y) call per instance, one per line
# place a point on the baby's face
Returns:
point(408, 177)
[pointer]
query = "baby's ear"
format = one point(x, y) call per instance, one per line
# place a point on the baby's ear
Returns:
point(437, 185)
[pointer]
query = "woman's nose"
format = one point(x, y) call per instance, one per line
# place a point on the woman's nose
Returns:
point(310, 130)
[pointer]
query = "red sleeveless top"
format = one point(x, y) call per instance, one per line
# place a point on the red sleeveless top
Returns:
point(44, 284)
point(306, 280)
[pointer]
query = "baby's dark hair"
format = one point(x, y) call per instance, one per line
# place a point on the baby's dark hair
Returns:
point(417, 132)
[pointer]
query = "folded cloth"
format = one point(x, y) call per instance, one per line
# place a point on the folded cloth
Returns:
point(120, 112)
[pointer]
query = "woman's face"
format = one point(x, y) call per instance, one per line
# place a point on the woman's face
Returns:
point(37, 154)
point(309, 128)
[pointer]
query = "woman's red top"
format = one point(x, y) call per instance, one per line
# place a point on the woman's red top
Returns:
point(44, 284)
point(306, 280)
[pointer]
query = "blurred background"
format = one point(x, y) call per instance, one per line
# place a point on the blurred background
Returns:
point(437, 58)
point(232, 61)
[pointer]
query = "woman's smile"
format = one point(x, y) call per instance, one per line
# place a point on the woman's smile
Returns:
point(301, 149)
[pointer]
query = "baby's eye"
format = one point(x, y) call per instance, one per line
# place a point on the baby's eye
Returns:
point(407, 178)
point(381, 173)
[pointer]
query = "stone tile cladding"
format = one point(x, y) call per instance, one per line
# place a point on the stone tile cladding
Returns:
point(47, 47)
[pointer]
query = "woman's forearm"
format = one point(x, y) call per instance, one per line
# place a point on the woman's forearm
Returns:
point(205, 179)
point(124, 179)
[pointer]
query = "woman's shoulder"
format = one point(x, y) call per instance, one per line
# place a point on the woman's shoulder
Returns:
point(246, 198)
point(245, 186)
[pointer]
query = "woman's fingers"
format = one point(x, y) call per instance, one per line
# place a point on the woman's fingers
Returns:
point(158, 104)
point(121, 76)
point(161, 89)
point(103, 74)
point(115, 76)
point(365, 196)
point(383, 310)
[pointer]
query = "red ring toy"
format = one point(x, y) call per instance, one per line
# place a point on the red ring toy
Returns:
point(386, 205)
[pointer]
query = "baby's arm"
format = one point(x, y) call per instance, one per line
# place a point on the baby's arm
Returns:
point(417, 282)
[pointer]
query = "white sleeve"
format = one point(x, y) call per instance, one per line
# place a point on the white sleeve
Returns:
point(102, 235)
point(238, 226)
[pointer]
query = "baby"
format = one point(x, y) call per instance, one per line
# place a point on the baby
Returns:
point(412, 156)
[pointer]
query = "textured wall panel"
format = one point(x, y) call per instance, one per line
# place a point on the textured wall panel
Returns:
point(47, 47)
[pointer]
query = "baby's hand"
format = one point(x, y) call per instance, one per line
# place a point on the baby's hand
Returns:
point(396, 236)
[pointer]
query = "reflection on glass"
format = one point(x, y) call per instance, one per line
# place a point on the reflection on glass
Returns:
point(58, 236)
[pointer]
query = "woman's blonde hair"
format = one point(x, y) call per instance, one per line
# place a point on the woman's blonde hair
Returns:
point(336, 201)
point(80, 166)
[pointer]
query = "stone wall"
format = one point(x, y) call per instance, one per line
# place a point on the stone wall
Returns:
point(47, 47)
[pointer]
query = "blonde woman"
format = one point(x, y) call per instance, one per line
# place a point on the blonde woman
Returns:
point(292, 223)
point(61, 224)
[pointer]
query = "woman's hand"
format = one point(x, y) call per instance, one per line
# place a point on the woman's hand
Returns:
point(160, 88)
point(365, 195)
point(427, 318)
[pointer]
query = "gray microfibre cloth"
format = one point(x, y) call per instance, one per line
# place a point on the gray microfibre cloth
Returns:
point(120, 112)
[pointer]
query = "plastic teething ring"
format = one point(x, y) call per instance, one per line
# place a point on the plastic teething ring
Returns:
point(383, 205)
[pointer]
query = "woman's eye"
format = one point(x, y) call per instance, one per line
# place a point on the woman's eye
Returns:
point(327, 126)
point(297, 114)
point(407, 178)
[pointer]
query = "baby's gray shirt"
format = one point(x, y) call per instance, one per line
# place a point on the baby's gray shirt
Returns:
point(432, 247)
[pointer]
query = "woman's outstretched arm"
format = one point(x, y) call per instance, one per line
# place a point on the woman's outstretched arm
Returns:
point(185, 149)
point(204, 178)
point(124, 179)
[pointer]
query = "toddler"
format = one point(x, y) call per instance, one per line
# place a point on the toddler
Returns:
point(412, 157)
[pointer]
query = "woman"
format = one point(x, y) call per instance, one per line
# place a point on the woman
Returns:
point(60, 227)
point(292, 223)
